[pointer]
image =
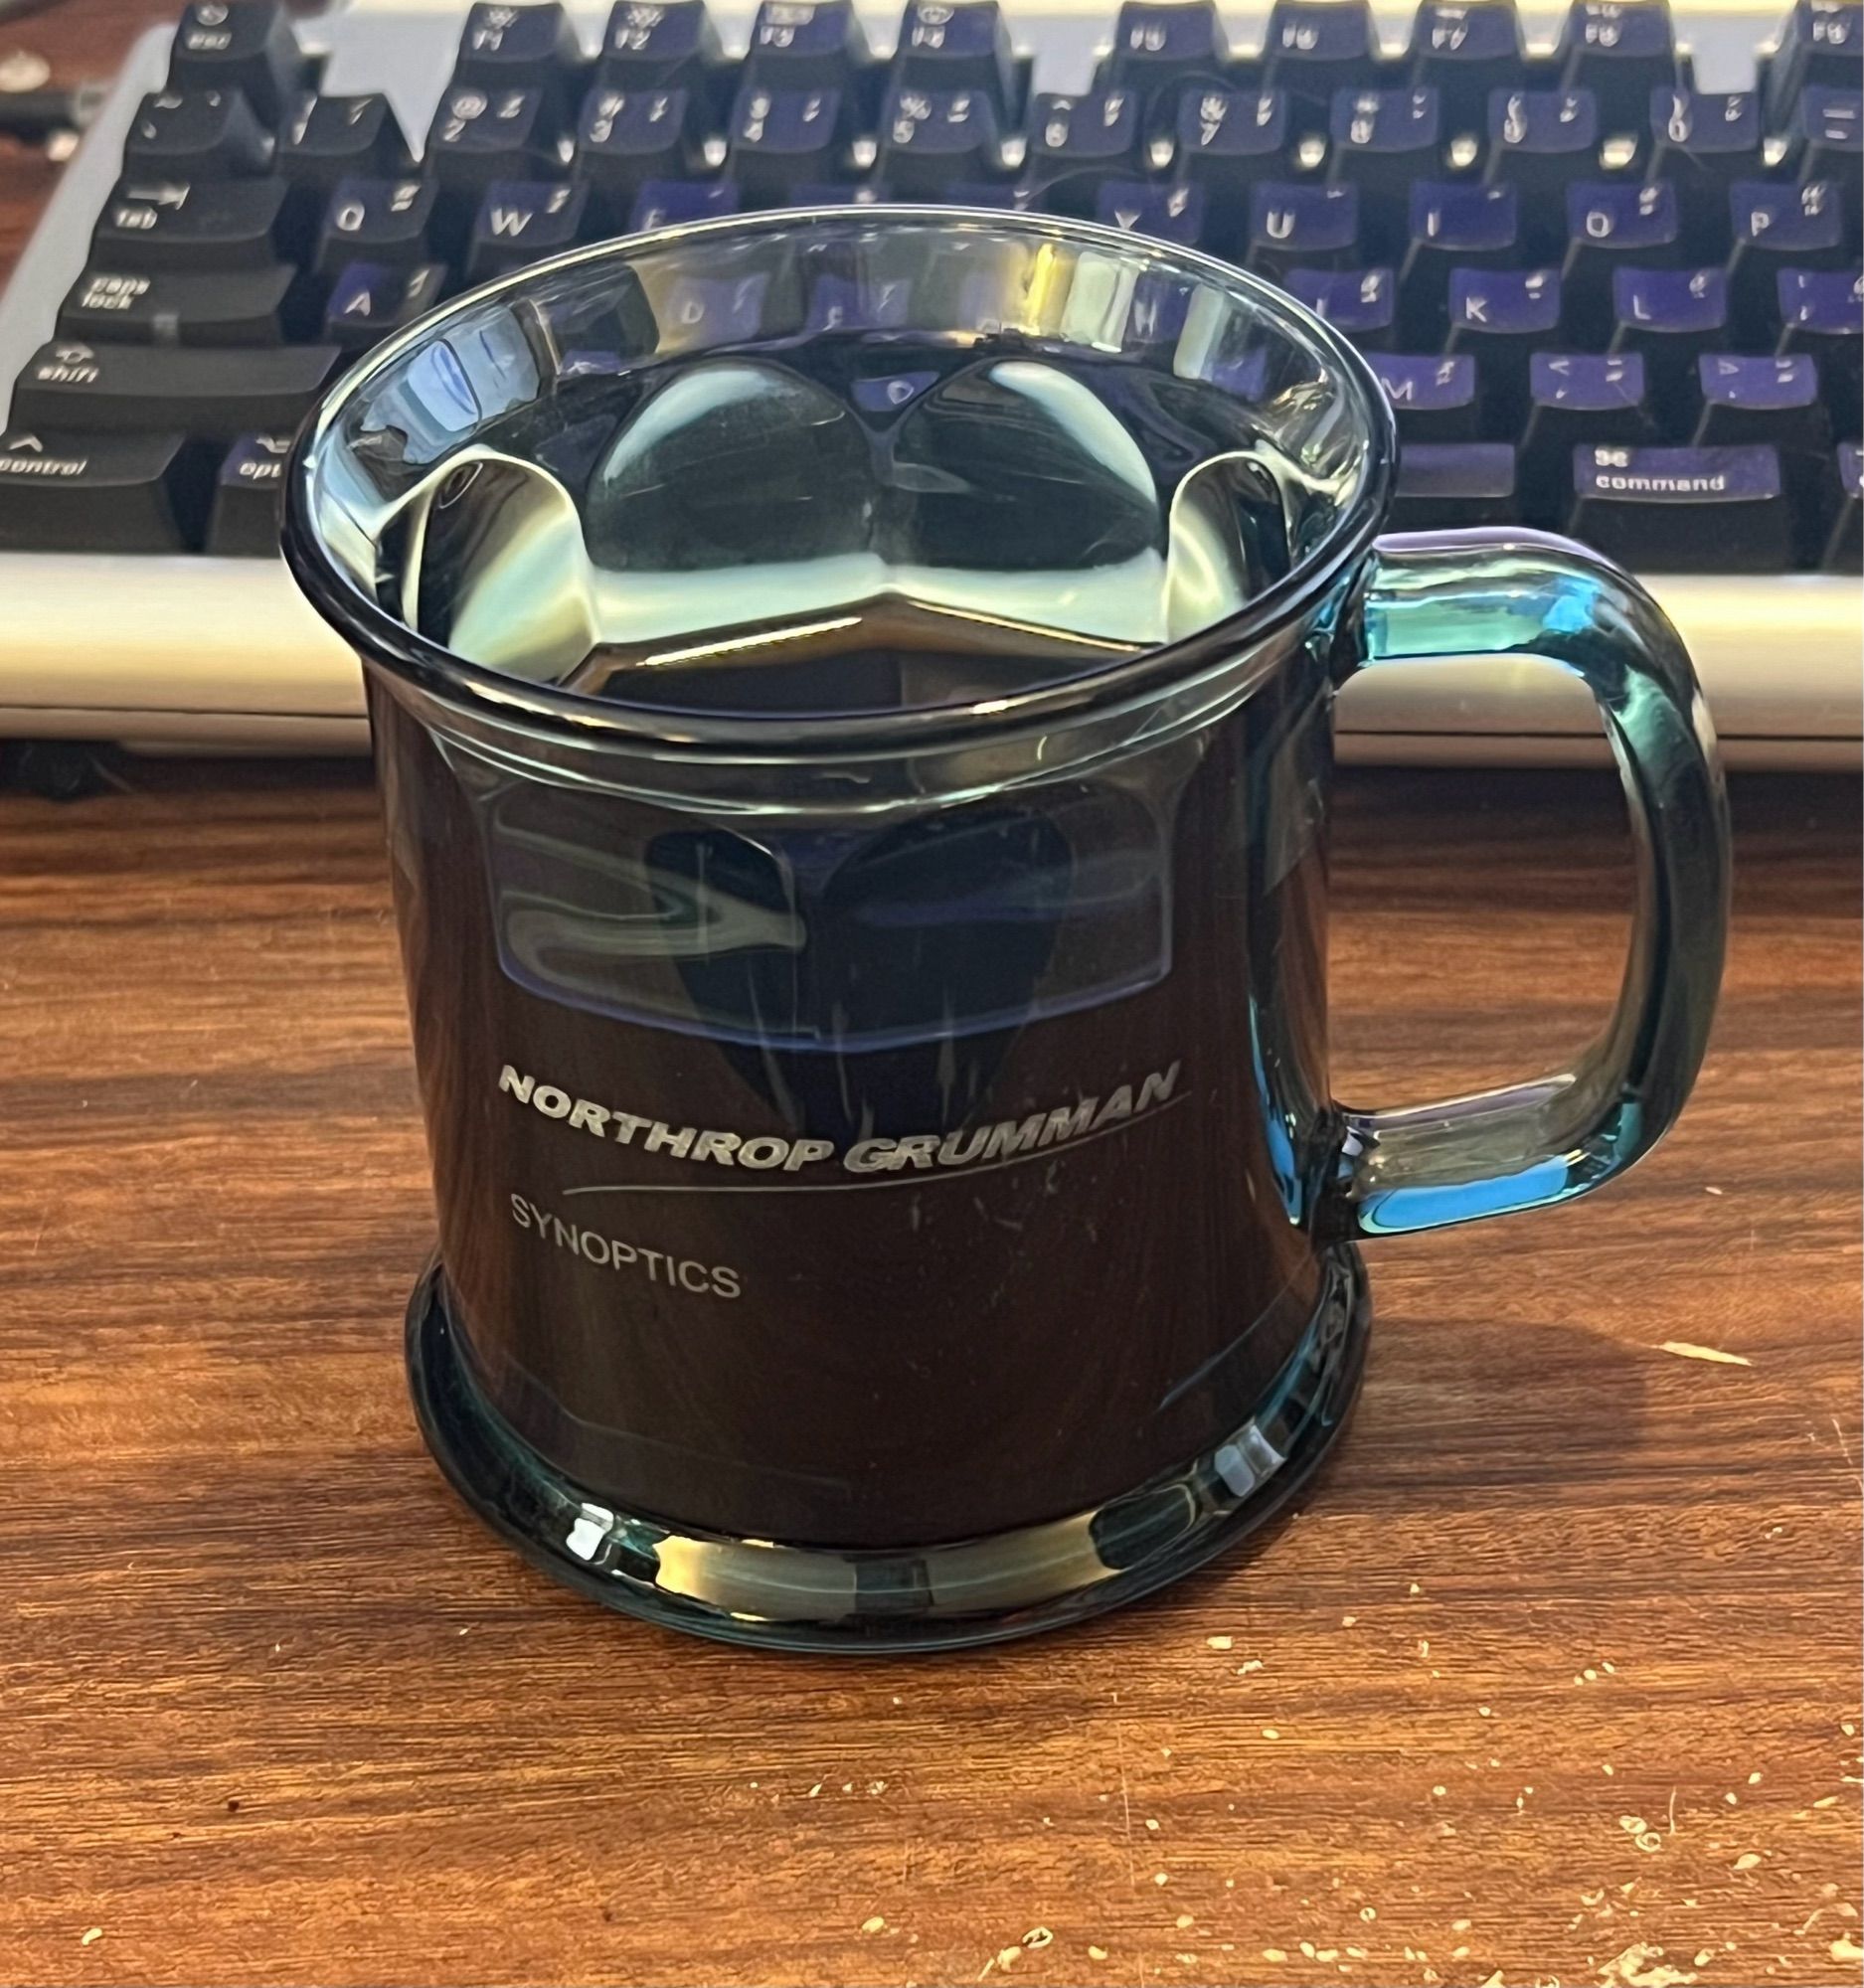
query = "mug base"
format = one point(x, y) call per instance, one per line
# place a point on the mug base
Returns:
point(968, 1592)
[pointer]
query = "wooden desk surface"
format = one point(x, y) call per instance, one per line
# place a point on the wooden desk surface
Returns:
point(1552, 1679)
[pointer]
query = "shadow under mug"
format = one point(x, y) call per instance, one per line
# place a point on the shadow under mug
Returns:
point(888, 1187)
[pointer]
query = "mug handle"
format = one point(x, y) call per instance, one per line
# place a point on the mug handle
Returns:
point(1508, 592)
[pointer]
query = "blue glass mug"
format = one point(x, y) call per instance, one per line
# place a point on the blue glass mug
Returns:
point(852, 698)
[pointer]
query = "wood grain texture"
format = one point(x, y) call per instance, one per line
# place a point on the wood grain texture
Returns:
point(272, 1708)
point(1558, 1667)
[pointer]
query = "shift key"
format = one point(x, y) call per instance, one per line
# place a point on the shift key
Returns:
point(214, 393)
point(156, 223)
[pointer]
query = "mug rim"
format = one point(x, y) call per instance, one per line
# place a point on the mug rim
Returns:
point(380, 638)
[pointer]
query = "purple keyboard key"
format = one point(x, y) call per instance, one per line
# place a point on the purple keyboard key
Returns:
point(1316, 46)
point(1822, 312)
point(1619, 49)
point(714, 310)
point(1683, 510)
point(1162, 41)
point(780, 137)
point(1298, 226)
point(1171, 212)
point(1623, 217)
point(1444, 485)
point(846, 303)
point(1573, 398)
point(1670, 303)
point(1361, 303)
point(1747, 400)
point(658, 46)
point(1466, 48)
point(1220, 132)
point(967, 47)
point(1503, 303)
point(1843, 550)
point(1434, 399)
point(664, 203)
point(1536, 137)
point(929, 137)
point(806, 45)
point(1587, 383)
point(369, 300)
point(1827, 135)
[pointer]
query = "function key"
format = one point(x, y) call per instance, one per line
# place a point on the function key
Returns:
point(1434, 399)
point(1574, 398)
point(243, 45)
point(959, 45)
point(325, 139)
point(1821, 42)
point(1452, 486)
point(931, 139)
point(1619, 49)
point(1168, 213)
point(528, 47)
point(1822, 312)
point(1778, 228)
point(1161, 44)
point(1702, 144)
point(1776, 399)
point(1826, 139)
point(782, 138)
point(519, 221)
point(1380, 141)
point(1842, 512)
point(1222, 134)
point(1361, 304)
point(1539, 138)
point(1683, 510)
point(1075, 142)
point(1609, 223)
point(1465, 49)
point(1297, 225)
point(1671, 317)
point(198, 133)
point(213, 394)
point(479, 135)
point(369, 300)
point(375, 221)
point(808, 44)
point(627, 137)
point(1500, 317)
point(180, 307)
point(659, 44)
point(126, 493)
point(1316, 46)
point(245, 520)
point(158, 224)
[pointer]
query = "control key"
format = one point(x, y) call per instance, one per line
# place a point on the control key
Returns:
point(130, 493)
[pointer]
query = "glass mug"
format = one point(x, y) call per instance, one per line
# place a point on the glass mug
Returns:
point(852, 701)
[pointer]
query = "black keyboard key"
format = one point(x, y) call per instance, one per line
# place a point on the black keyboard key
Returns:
point(89, 493)
point(1820, 44)
point(1500, 317)
point(1822, 312)
point(196, 134)
point(670, 203)
point(525, 47)
point(369, 300)
point(1574, 398)
point(1612, 223)
point(1297, 225)
point(1361, 304)
point(325, 139)
point(1225, 137)
point(1841, 514)
point(1702, 144)
point(1538, 139)
point(1168, 212)
point(375, 221)
point(931, 139)
point(1671, 317)
point(627, 137)
point(1451, 486)
point(1748, 399)
point(248, 498)
point(779, 138)
point(1465, 49)
point(1778, 228)
point(1434, 397)
point(1077, 143)
point(808, 44)
point(519, 221)
point(1683, 510)
point(1160, 45)
point(478, 136)
point(243, 45)
point(181, 307)
point(1826, 140)
point(959, 45)
point(1379, 140)
point(157, 224)
point(1619, 49)
point(659, 45)
point(1314, 48)
point(212, 393)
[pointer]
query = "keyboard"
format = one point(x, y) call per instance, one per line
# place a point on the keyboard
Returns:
point(1605, 261)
